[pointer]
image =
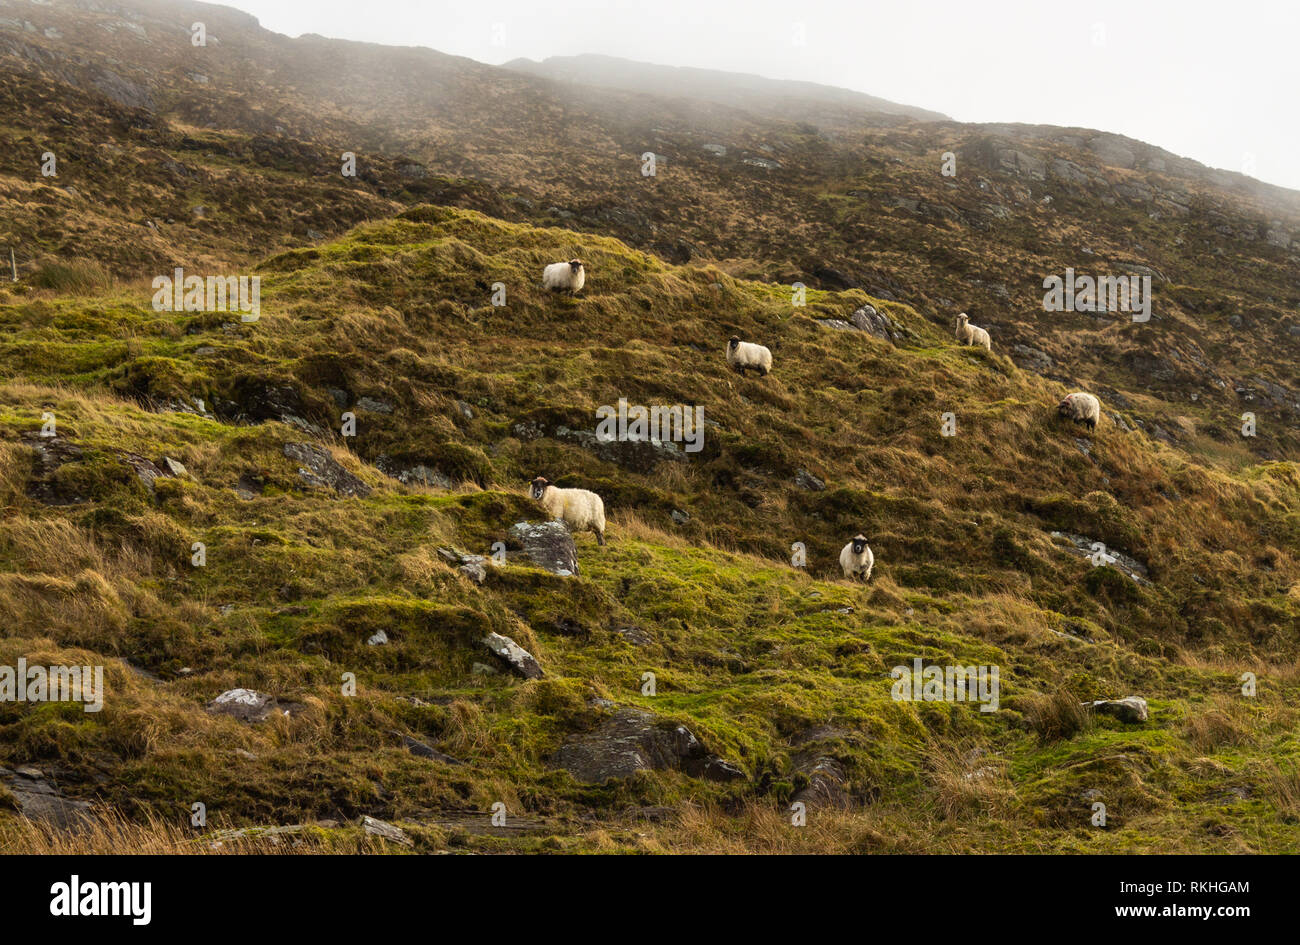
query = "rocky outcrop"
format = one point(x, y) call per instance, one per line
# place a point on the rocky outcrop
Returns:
point(868, 319)
point(40, 799)
point(1082, 546)
point(632, 740)
point(318, 469)
point(549, 545)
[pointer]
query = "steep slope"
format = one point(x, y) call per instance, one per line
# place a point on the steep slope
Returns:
point(218, 155)
point(780, 674)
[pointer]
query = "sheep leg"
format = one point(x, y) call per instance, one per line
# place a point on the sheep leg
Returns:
point(600, 538)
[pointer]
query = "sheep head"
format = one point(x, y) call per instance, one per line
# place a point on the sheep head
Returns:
point(538, 488)
point(859, 544)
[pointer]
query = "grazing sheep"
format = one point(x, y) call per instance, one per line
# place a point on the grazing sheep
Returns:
point(969, 334)
point(743, 354)
point(580, 509)
point(856, 559)
point(1081, 408)
point(564, 277)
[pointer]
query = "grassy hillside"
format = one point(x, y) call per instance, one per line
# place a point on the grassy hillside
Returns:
point(781, 672)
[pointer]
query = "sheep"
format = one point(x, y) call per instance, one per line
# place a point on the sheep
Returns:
point(564, 276)
point(969, 334)
point(580, 509)
point(1081, 408)
point(856, 559)
point(744, 354)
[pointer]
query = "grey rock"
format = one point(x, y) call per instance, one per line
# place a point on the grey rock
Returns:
point(474, 567)
point(632, 740)
point(634, 635)
point(374, 405)
point(1130, 709)
point(250, 485)
point(378, 638)
point(52, 453)
point(385, 830)
point(318, 469)
point(548, 545)
point(145, 470)
point(680, 517)
point(1082, 546)
point(419, 748)
point(826, 784)
point(518, 660)
point(806, 480)
point(247, 705)
point(40, 799)
point(1031, 359)
point(878, 324)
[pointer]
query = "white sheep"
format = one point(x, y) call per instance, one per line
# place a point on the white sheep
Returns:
point(564, 276)
point(744, 354)
point(580, 509)
point(856, 559)
point(969, 334)
point(1081, 408)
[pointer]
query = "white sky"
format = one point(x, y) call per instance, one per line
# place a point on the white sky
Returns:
point(1216, 82)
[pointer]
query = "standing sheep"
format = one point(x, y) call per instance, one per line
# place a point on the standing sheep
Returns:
point(580, 509)
point(744, 354)
point(1081, 408)
point(969, 334)
point(564, 276)
point(856, 559)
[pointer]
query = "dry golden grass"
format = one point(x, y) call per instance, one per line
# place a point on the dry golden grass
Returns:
point(109, 834)
point(1056, 716)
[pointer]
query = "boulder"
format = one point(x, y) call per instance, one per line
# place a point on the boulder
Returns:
point(39, 799)
point(320, 470)
point(1130, 709)
point(632, 740)
point(548, 545)
point(385, 830)
point(518, 660)
point(420, 749)
point(876, 323)
point(247, 705)
point(826, 784)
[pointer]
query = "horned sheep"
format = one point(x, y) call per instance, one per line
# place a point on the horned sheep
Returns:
point(745, 354)
point(969, 334)
point(580, 509)
point(856, 559)
point(564, 276)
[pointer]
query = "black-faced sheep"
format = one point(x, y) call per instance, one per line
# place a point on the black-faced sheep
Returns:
point(856, 559)
point(564, 276)
point(969, 334)
point(1081, 408)
point(580, 509)
point(743, 354)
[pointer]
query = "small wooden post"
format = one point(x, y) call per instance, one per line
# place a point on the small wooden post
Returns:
point(13, 263)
